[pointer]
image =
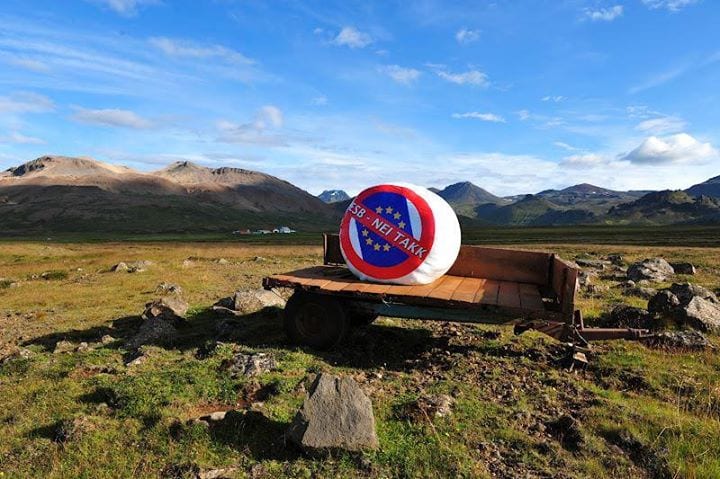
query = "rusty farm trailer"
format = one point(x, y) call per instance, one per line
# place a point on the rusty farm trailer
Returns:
point(533, 290)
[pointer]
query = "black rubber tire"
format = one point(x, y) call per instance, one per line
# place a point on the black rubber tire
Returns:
point(314, 320)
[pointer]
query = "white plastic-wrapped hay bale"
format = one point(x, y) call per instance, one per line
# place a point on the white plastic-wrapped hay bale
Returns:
point(399, 233)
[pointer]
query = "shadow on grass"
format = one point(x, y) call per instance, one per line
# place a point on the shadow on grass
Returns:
point(254, 434)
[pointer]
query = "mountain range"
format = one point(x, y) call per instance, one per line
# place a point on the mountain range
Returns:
point(55, 194)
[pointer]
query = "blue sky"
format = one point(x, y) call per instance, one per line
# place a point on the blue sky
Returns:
point(515, 96)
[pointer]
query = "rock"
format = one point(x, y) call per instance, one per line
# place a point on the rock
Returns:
point(249, 364)
point(71, 429)
point(586, 278)
point(168, 288)
point(664, 302)
point(684, 340)
point(223, 261)
point(597, 289)
point(223, 473)
point(63, 347)
point(138, 360)
point(624, 316)
point(167, 307)
point(591, 263)
point(568, 431)
point(652, 269)
point(258, 259)
point(437, 405)
point(703, 315)
point(616, 259)
point(82, 347)
point(627, 284)
point(336, 414)
point(249, 301)
point(687, 291)
point(187, 263)
point(138, 266)
point(107, 339)
point(640, 292)
point(120, 268)
point(684, 268)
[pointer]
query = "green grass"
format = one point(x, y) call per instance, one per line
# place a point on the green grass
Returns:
point(640, 412)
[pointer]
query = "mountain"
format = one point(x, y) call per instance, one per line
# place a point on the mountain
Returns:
point(532, 210)
point(64, 194)
point(333, 196)
point(589, 197)
point(710, 187)
point(666, 207)
point(464, 197)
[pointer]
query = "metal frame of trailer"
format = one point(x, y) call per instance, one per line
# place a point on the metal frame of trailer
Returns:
point(530, 289)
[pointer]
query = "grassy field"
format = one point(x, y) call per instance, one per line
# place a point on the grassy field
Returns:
point(638, 412)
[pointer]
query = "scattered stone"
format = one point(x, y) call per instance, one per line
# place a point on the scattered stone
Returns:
point(71, 429)
point(137, 360)
point(223, 261)
point(651, 269)
point(336, 414)
point(597, 289)
point(216, 416)
point(567, 430)
point(616, 259)
point(683, 340)
point(224, 473)
point(187, 263)
point(429, 406)
point(107, 339)
point(591, 263)
point(63, 347)
point(120, 268)
point(586, 278)
point(167, 307)
point(258, 259)
point(664, 302)
point(684, 268)
point(249, 364)
point(82, 347)
point(20, 354)
point(624, 316)
point(249, 301)
point(703, 315)
point(168, 288)
point(687, 291)
point(627, 284)
point(640, 292)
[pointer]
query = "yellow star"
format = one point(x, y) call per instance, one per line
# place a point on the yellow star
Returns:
point(397, 216)
point(369, 241)
point(364, 232)
point(386, 247)
point(376, 247)
point(379, 209)
point(401, 224)
point(389, 209)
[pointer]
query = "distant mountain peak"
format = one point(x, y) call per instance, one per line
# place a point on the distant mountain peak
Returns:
point(55, 166)
point(465, 192)
point(333, 196)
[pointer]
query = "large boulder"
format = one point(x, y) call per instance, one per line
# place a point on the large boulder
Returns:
point(684, 268)
point(664, 302)
point(651, 269)
point(336, 414)
point(249, 301)
point(624, 316)
point(687, 291)
point(167, 307)
point(702, 314)
point(160, 319)
point(249, 364)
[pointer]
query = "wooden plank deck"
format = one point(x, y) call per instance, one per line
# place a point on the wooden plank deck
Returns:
point(452, 289)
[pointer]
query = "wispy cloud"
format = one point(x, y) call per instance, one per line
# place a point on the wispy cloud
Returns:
point(680, 148)
point(126, 8)
point(672, 5)
point(465, 36)
point(111, 117)
point(604, 14)
point(661, 125)
point(584, 160)
point(261, 131)
point(554, 98)
point(25, 102)
point(659, 79)
point(402, 75)
point(471, 77)
point(565, 146)
point(353, 38)
point(184, 48)
point(19, 138)
point(490, 117)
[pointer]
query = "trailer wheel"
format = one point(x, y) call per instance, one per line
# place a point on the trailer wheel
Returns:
point(315, 320)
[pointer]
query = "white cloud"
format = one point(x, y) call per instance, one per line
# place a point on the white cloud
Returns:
point(565, 146)
point(679, 149)
point(353, 38)
point(402, 75)
point(465, 35)
point(127, 8)
point(662, 125)
point(29, 64)
point(320, 100)
point(524, 115)
point(111, 117)
point(25, 102)
point(584, 160)
point(491, 117)
point(19, 138)
point(471, 77)
point(183, 48)
point(261, 131)
point(672, 5)
point(604, 14)
point(554, 98)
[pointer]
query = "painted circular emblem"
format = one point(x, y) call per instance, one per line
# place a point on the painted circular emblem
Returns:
point(387, 232)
